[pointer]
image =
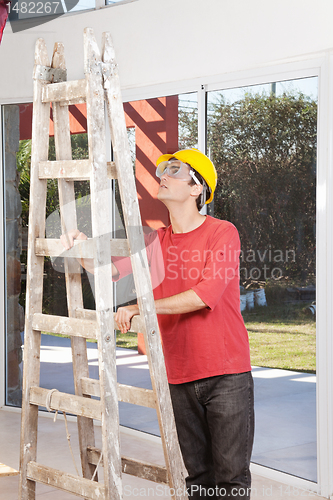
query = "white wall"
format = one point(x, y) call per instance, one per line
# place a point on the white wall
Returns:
point(175, 40)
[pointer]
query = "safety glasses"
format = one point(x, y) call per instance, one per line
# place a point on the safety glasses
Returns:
point(176, 169)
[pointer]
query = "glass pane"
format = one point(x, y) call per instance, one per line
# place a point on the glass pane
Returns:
point(188, 120)
point(262, 140)
point(155, 126)
point(83, 5)
point(158, 126)
point(15, 245)
point(55, 351)
point(124, 290)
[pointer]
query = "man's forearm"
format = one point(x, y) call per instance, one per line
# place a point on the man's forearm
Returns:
point(88, 265)
point(181, 303)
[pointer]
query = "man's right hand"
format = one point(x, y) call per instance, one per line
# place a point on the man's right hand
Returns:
point(67, 239)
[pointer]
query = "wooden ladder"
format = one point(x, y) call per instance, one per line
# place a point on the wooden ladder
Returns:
point(101, 83)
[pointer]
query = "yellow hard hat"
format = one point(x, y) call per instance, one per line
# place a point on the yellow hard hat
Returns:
point(199, 162)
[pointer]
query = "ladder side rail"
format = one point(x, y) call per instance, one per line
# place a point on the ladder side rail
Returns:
point(141, 273)
point(68, 216)
point(35, 266)
point(101, 220)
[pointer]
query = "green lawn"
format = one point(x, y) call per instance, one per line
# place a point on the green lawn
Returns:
point(282, 336)
point(128, 340)
point(282, 349)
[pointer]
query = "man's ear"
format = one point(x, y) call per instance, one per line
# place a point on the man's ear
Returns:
point(196, 190)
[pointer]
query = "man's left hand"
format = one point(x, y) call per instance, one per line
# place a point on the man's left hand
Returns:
point(124, 315)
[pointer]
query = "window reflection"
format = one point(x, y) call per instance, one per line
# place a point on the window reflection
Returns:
point(155, 126)
point(14, 245)
point(262, 140)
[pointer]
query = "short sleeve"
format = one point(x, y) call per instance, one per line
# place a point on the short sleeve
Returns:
point(124, 267)
point(221, 265)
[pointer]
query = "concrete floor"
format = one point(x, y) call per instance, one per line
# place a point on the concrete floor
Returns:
point(285, 405)
point(285, 426)
point(53, 450)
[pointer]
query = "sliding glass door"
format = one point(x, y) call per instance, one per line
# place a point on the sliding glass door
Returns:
point(263, 141)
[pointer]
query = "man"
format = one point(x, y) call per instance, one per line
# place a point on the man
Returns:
point(205, 342)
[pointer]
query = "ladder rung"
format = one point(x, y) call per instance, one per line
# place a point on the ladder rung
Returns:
point(136, 395)
point(69, 403)
point(82, 249)
point(74, 170)
point(137, 322)
point(67, 92)
point(63, 325)
point(5, 470)
point(126, 393)
point(85, 314)
point(90, 387)
point(77, 100)
point(50, 247)
point(67, 482)
point(65, 169)
point(145, 470)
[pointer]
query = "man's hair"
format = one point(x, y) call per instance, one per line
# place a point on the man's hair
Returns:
point(201, 199)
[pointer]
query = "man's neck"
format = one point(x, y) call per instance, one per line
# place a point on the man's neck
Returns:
point(184, 222)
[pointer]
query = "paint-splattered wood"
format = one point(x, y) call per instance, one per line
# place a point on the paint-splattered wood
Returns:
point(66, 482)
point(35, 264)
point(82, 249)
point(151, 472)
point(62, 325)
point(5, 470)
point(101, 225)
point(63, 149)
point(70, 102)
point(65, 169)
point(69, 403)
point(145, 470)
point(136, 395)
point(108, 406)
point(126, 393)
point(75, 170)
point(130, 205)
point(65, 91)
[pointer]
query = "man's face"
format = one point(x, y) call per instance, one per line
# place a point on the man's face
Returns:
point(175, 181)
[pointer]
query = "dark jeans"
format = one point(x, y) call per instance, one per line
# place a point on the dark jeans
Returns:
point(215, 426)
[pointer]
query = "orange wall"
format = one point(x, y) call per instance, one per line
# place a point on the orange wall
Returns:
point(77, 120)
point(156, 133)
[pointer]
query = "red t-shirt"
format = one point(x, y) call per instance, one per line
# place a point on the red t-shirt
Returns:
point(211, 341)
